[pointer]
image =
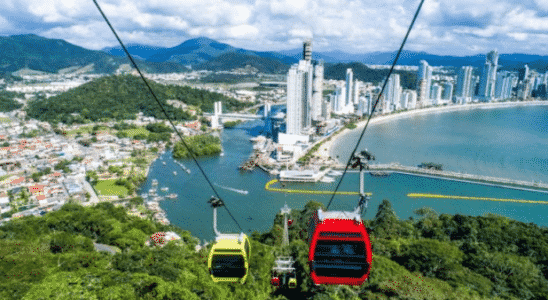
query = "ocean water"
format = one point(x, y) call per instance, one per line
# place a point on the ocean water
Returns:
point(502, 142)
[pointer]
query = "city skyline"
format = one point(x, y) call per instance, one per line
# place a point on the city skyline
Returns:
point(443, 27)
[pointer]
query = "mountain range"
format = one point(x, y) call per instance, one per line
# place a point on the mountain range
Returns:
point(30, 51)
point(52, 55)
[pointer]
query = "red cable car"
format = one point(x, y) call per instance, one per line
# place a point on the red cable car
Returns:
point(340, 250)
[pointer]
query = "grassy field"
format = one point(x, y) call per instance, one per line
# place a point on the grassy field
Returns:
point(108, 188)
point(133, 132)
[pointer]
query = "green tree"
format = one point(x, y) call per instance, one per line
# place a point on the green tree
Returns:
point(386, 222)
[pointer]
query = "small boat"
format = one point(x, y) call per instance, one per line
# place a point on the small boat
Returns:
point(164, 163)
point(164, 189)
point(154, 182)
point(174, 172)
point(152, 191)
point(172, 196)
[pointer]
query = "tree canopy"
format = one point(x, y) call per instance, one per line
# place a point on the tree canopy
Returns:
point(55, 256)
point(122, 98)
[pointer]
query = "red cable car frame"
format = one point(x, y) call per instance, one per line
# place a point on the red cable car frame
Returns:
point(340, 249)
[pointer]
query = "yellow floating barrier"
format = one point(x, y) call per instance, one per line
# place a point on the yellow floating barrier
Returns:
point(418, 195)
point(273, 181)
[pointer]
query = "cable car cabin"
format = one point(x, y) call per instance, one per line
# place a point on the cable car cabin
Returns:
point(340, 250)
point(228, 259)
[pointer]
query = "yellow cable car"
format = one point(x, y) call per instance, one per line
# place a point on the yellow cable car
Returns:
point(228, 259)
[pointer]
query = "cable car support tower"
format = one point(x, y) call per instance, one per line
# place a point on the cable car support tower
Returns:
point(283, 273)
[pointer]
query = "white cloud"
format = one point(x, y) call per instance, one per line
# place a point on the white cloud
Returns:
point(443, 26)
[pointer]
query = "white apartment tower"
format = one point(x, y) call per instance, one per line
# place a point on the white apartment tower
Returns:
point(299, 96)
point(463, 91)
point(424, 82)
point(489, 76)
point(349, 81)
point(317, 91)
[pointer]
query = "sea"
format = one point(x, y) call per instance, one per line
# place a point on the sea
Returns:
point(503, 142)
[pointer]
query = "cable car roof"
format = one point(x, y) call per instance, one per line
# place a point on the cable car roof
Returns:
point(345, 215)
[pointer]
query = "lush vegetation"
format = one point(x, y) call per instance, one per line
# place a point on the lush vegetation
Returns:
point(121, 98)
point(232, 124)
point(7, 101)
point(200, 145)
point(433, 257)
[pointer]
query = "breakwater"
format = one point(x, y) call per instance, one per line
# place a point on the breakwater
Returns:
point(450, 175)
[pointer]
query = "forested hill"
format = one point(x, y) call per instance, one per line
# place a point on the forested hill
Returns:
point(51, 55)
point(433, 257)
point(122, 97)
point(362, 72)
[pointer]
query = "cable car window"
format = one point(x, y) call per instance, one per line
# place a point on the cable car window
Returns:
point(247, 248)
point(228, 266)
point(340, 234)
point(340, 259)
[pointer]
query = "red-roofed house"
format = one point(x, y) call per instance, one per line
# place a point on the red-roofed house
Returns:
point(18, 181)
point(40, 197)
point(193, 124)
point(37, 189)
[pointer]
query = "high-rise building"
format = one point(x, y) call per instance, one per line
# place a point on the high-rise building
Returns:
point(489, 76)
point(349, 85)
point(447, 93)
point(425, 73)
point(317, 90)
point(409, 99)
point(307, 50)
point(436, 94)
point(503, 87)
point(356, 91)
point(393, 92)
point(339, 98)
point(299, 96)
point(463, 92)
point(304, 93)
point(524, 73)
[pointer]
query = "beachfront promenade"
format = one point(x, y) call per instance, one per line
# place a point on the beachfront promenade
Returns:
point(487, 180)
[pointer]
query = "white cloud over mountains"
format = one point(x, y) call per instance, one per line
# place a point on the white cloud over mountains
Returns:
point(453, 27)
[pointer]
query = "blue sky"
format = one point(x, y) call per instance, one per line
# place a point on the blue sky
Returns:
point(447, 27)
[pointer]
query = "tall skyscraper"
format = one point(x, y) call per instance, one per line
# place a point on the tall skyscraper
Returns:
point(304, 93)
point(503, 88)
point(489, 77)
point(425, 73)
point(307, 50)
point(349, 93)
point(447, 93)
point(356, 91)
point(299, 96)
point(317, 90)
point(463, 92)
point(393, 92)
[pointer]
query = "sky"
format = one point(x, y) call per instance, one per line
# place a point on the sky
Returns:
point(444, 27)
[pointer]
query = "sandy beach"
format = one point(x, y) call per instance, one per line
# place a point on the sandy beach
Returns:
point(325, 150)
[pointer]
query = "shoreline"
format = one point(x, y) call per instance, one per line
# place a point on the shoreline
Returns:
point(326, 150)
